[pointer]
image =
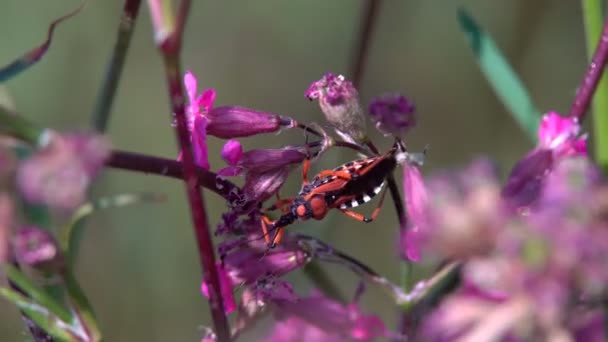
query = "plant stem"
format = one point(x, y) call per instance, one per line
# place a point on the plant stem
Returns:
point(170, 50)
point(368, 19)
point(592, 17)
point(170, 168)
point(105, 97)
point(591, 79)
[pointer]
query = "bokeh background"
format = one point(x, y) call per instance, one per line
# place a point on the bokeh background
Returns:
point(139, 264)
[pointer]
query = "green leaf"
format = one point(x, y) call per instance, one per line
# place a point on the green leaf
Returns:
point(82, 306)
point(37, 294)
point(70, 234)
point(44, 318)
point(34, 55)
point(593, 19)
point(503, 79)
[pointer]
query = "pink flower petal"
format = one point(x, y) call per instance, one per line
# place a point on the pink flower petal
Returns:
point(230, 171)
point(199, 142)
point(416, 197)
point(191, 85)
point(410, 243)
point(232, 152)
point(206, 99)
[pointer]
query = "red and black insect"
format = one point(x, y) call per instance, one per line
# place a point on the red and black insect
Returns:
point(347, 186)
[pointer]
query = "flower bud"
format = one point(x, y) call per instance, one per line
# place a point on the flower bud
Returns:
point(392, 114)
point(261, 186)
point(264, 160)
point(229, 122)
point(37, 248)
point(339, 101)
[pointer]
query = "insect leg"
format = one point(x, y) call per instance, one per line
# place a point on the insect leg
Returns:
point(360, 217)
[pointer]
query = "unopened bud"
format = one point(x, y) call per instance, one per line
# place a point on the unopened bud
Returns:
point(37, 248)
point(229, 122)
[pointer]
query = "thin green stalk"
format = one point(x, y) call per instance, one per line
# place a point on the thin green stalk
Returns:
point(593, 20)
point(105, 97)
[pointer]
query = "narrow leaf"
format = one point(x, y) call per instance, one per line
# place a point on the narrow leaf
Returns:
point(37, 294)
point(82, 307)
point(495, 67)
point(69, 235)
point(44, 318)
point(31, 57)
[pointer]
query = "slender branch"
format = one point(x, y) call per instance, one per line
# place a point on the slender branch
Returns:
point(105, 97)
point(368, 20)
point(38, 334)
point(170, 168)
point(592, 76)
point(170, 51)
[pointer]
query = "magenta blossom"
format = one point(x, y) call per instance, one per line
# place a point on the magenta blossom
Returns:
point(37, 248)
point(337, 322)
point(416, 199)
point(253, 265)
point(196, 115)
point(59, 174)
point(231, 153)
point(559, 138)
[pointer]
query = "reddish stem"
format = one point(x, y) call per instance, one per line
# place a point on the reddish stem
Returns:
point(167, 167)
point(170, 50)
point(592, 77)
point(368, 20)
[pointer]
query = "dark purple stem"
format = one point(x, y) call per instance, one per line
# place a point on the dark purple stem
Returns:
point(170, 50)
point(592, 77)
point(368, 20)
point(170, 168)
point(105, 98)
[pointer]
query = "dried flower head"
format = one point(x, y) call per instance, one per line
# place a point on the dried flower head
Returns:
point(339, 101)
point(392, 114)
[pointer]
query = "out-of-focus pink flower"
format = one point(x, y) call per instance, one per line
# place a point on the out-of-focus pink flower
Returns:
point(392, 114)
point(60, 173)
point(335, 320)
point(231, 153)
point(339, 101)
point(463, 213)
point(559, 137)
point(416, 200)
point(37, 248)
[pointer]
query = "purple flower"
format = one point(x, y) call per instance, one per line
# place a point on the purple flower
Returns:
point(231, 153)
point(339, 101)
point(60, 173)
point(253, 265)
point(416, 199)
point(196, 114)
point(261, 186)
point(558, 138)
point(230, 122)
point(392, 114)
point(336, 322)
point(37, 248)
point(265, 160)
point(464, 211)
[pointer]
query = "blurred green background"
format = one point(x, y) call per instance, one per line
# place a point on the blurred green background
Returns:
point(139, 264)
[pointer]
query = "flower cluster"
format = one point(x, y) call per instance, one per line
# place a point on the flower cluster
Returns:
point(251, 274)
point(534, 252)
